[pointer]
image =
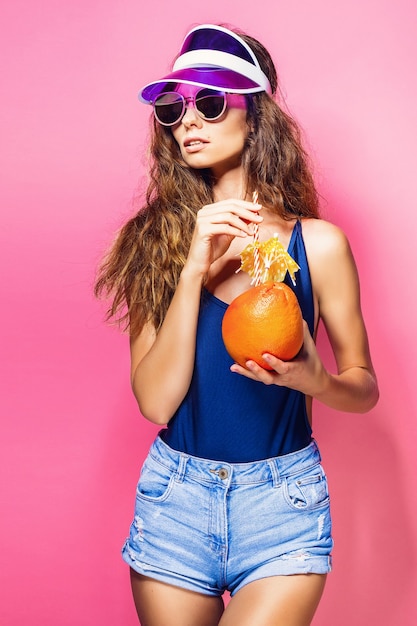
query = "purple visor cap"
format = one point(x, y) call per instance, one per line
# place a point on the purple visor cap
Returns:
point(214, 57)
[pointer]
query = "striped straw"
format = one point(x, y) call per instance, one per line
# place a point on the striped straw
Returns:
point(256, 256)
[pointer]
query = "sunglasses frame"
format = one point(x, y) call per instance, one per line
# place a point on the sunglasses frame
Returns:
point(186, 100)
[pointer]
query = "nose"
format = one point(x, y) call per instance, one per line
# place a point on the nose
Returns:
point(191, 117)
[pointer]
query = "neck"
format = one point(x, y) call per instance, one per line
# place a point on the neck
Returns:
point(230, 185)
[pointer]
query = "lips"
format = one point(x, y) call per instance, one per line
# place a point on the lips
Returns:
point(194, 144)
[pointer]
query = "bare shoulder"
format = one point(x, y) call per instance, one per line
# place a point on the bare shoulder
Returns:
point(327, 247)
point(323, 239)
point(331, 263)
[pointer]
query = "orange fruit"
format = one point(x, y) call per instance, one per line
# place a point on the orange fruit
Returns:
point(266, 318)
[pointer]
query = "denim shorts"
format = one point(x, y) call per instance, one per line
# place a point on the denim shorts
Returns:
point(211, 526)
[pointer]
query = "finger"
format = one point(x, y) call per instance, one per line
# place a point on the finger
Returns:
point(237, 229)
point(259, 373)
point(242, 371)
point(226, 223)
point(241, 214)
point(253, 206)
point(245, 210)
point(281, 367)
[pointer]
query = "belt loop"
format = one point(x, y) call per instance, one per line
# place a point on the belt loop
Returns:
point(181, 468)
point(273, 466)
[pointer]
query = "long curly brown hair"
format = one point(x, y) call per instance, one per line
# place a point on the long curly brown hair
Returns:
point(141, 270)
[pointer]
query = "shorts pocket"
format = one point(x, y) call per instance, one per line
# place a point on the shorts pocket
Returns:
point(155, 482)
point(307, 490)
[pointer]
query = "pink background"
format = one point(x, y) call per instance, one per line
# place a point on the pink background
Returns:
point(72, 139)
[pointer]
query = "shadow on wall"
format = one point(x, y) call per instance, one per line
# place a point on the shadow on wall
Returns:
point(373, 556)
point(372, 489)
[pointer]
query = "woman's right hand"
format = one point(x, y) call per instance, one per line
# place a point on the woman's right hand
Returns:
point(171, 351)
point(216, 226)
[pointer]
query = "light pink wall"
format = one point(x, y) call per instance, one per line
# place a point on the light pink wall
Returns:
point(72, 136)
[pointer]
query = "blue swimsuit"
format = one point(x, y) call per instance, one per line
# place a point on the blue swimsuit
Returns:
point(227, 417)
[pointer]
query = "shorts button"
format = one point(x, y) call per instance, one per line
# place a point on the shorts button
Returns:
point(223, 473)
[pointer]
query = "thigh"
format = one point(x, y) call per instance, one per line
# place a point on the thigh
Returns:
point(161, 604)
point(276, 601)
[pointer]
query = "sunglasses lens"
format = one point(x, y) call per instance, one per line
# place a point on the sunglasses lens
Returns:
point(168, 108)
point(210, 104)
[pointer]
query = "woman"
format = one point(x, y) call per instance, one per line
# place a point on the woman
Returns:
point(232, 495)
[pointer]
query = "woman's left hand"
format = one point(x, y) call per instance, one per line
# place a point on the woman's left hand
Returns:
point(305, 373)
point(353, 388)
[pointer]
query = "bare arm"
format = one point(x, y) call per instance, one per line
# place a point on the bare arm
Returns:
point(354, 387)
point(335, 281)
point(162, 363)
